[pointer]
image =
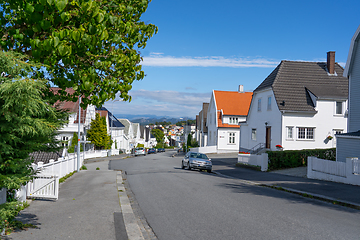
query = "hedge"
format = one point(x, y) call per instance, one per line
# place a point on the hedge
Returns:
point(297, 158)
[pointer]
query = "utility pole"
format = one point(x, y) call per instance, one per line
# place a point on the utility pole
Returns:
point(78, 146)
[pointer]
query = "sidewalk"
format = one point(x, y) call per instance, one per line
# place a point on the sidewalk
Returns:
point(92, 204)
point(293, 180)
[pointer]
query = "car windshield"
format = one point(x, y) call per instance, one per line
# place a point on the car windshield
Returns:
point(139, 148)
point(198, 155)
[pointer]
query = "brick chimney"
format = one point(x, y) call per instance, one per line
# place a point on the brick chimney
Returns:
point(331, 62)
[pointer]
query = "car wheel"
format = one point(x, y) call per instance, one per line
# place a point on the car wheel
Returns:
point(182, 165)
point(209, 170)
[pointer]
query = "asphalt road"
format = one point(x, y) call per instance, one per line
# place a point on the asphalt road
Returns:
point(182, 204)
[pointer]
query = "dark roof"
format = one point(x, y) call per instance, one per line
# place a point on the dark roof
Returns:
point(113, 121)
point(291, 82)
point(45, 156)
point(356, 134)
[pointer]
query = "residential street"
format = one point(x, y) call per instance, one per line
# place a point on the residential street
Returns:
point(182, 204)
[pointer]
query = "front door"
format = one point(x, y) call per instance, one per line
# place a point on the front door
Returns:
point(268, 137)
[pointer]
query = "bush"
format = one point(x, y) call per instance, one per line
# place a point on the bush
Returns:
point(297, 158)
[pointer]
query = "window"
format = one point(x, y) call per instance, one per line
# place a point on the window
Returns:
point(289, 132)
point(306, 133)
point(338, 107)
point(253, 134)
point(269, 103)
point(259, 104)
point(230, 120)
point(232, 137)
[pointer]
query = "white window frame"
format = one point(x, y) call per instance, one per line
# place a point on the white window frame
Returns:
point(259, 105)
point(336, 108)
point(269, 103)
point(232, 138)
point(253, 134)
point(289, 133)
point(306, 133)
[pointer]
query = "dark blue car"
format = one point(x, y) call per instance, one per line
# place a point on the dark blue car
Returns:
point(151, 150)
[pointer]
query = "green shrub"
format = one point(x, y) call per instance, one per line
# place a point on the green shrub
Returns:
point(297, 158)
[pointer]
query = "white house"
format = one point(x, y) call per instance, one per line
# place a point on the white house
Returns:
point(202, 129)
point(300, 105)
point(114, 127)
point(66, 133)
point(348, 144)
point(128, 135)
point(226, 110)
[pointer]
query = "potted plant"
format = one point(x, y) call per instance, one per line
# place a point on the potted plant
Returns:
point(329, 137)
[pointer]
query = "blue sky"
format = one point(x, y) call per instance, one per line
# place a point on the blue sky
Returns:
point(217, 45)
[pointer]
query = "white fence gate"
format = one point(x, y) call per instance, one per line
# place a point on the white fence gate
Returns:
point(44, 186)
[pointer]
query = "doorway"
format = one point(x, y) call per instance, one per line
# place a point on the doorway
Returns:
point(268, 137)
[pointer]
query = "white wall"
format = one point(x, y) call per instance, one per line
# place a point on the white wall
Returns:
point(257, 119)
point(223, 139)
point(325, 121)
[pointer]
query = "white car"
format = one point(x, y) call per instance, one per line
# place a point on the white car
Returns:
point(140, 151)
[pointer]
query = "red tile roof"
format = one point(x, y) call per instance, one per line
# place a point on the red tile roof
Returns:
point(232, 104)
point(72, 107)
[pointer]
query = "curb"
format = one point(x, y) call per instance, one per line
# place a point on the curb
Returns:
point(298, 192)
point(131, 225)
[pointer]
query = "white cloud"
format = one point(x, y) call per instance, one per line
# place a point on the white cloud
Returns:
point(161, 103)
point(158, 60)
point(172, 97)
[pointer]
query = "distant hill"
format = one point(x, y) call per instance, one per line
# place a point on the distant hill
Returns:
point(148, 119)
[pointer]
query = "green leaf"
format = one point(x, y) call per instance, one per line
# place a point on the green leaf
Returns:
point(50, 2)
point(92, 29)
point(62, 49)
point(76, 35)
point(104, 35)
point(100, 17)
point(61, 4)
point(45, 24)
point(56, 41)
point(29, 8)
point(43, 2)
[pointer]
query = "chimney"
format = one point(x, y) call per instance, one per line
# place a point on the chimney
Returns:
point(241, 88)
point(331, 62)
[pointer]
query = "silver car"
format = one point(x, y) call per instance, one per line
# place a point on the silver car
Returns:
point(140, 151)
point(194, 160)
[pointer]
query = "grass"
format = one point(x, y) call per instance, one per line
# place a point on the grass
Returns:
point(97, 168)
point(66, 177)
point(8, 212)
point(83, 167)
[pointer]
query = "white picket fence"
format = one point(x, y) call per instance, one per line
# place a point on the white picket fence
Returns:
point(46, 182)
point(344, 172)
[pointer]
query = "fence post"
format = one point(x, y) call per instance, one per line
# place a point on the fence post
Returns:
point(264, 162)
point(309, 167)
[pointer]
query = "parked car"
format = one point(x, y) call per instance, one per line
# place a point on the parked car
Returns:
point(194, 160)
point(151, 150)
point(161, 149)
point(140, 151)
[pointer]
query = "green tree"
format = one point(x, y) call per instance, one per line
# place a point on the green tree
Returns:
point(27, 122)
point(188, 143)
point(159, 135)
point(74, 142)
point(91, 46)
point(97, 133)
